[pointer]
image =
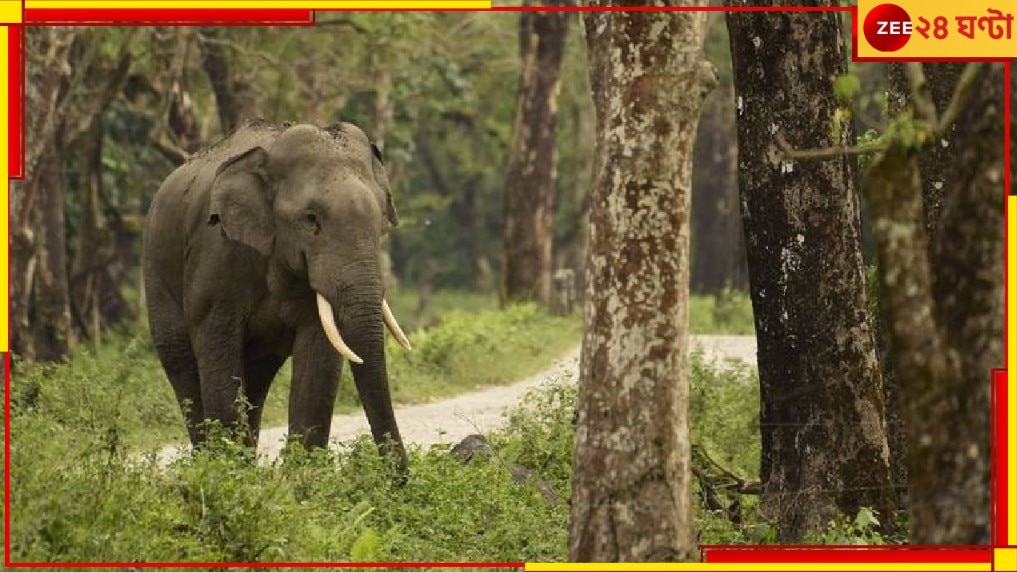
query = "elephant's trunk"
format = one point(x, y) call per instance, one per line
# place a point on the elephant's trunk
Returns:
point(364, 324)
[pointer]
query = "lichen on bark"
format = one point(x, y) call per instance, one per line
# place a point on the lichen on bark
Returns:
point(631, 488)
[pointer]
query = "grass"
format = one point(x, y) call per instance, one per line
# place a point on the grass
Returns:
point(80, 492)
point(465, 351)
point(470, 344)
point(729, 312)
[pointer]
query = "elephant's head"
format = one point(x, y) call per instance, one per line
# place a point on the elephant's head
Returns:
point(317, 203)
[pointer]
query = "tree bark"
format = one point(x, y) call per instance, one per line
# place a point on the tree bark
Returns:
point(933, 164)
point(969, 291)
point(631, 497)
point(530, 182)
point(935, 159)
point(90, 284)
point(822, 414)
point(216, 64)
point(50, 316)
point(46, 75)
point(946, 320)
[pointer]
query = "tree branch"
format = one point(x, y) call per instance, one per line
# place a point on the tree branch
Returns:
point(107, 92)
point(924, 111)
point(167, 149)
point(740, 485)
point(826, 152)
point(961, 95)
point(921, 99)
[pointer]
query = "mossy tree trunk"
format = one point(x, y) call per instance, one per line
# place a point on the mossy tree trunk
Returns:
point(934, 165)
point(531, 178)
point(631, 496)
point(822, 414)
point(945, 320)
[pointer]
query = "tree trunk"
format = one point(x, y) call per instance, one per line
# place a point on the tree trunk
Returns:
point(530, 182)
point(216, 64)
point(969, 291)
point(822, 415)
point(934, 164)
point(50, 317)
point(631, 490)
point(718, 247)
point(946, 321)
point(46, 73)
point(934, 161)
point(89, 250)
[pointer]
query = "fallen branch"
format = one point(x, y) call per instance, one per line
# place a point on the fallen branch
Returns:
point(740, 485)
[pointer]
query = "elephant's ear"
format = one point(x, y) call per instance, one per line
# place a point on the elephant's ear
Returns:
point(382, 177)
point(241, 200)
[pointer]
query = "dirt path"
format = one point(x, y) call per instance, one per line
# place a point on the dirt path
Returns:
point(450, 420)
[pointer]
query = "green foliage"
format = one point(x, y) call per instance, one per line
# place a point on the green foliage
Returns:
point(870, 137)
point(723, 407)
point(861, 529)
point(846, 87)
point(729, 312)
point(540, 433)
point(80, 494)
point(117, 389)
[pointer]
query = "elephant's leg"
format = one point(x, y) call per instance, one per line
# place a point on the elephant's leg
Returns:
point(218, 345)
point(316, 367)
point(260, 373)
point(173, 346)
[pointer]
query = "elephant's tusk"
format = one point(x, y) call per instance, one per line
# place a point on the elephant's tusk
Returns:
point(332, 331)
point(393, 325)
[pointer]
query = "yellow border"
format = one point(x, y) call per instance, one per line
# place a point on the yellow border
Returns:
point(292, 4)
point(4, 298)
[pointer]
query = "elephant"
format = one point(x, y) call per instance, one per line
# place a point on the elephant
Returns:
point(266, 246)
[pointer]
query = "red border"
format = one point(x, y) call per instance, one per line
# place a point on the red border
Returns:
point(999, 449)
point(15, 102)
point(146, 16)
point(708, 553)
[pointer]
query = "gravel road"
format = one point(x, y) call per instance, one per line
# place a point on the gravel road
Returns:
point(450, 420)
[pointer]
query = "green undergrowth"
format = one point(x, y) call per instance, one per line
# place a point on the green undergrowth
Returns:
point(122, 384)
point(728, 312)
point(460, 350)
point(81, 493)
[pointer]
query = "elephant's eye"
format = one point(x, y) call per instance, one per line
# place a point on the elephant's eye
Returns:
point(311, 218)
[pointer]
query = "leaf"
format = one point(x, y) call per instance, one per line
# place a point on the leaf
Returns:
point(866, 518)
point(846, 86)
point(365, 548)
